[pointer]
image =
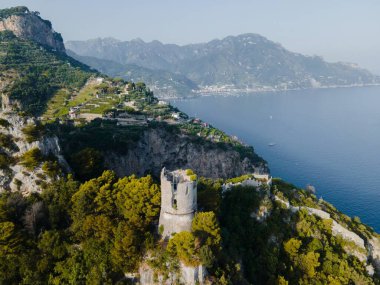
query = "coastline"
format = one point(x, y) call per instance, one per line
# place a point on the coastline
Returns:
point(244, 91)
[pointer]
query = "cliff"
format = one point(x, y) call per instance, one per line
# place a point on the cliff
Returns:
point(157, 148)
point(29, 25)
point(25, 154)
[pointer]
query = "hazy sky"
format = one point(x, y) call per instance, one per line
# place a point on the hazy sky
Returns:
point(338, 30)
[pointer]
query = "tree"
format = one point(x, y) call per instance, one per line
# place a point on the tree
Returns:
point(99, 227)
point(9, 240)
point(281, 281)
point(106, 196)
point(87, 163)
point(206, 227)
point(32, 158)
point(72, 270)
point(138, 200)
point(52, 249)
point(308, 263)
point(126, 251)
point(182, 246)
point(292, 246)
point(57, 198)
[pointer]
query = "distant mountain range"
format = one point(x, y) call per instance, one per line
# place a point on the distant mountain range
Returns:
point(247, 62)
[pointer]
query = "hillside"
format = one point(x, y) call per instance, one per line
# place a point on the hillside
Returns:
point(247, 62)
point(80, 158)
point(163, 83)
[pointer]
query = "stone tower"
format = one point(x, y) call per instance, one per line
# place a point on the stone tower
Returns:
point(178, 201)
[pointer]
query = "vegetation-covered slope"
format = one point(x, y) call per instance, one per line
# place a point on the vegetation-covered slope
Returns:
point(95, 232)
point(163, 83)
point(31, 74)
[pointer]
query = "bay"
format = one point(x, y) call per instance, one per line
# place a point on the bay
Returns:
point(329, 138)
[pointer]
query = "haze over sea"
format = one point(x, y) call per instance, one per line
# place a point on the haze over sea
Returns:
point(329, 138)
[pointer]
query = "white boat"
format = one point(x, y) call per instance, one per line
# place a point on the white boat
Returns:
point(271, 144)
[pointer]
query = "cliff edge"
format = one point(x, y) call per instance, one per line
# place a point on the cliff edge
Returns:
point(29, 25)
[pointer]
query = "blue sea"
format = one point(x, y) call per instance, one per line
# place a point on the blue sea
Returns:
point(329, 138)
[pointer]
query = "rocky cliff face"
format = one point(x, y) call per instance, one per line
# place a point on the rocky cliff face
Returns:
point(31, 27)
point(17, 177)
point(158, 148)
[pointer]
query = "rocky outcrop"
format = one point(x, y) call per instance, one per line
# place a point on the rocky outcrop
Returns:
point(30, 26)
point(187, 275)
point(17, 177)
point(158, 148)
point(364, 250)
point(374, 250)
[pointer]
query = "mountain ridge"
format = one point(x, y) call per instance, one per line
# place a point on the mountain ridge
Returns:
point(243, 63)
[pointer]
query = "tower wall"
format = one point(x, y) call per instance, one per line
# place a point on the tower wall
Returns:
point(178, 202)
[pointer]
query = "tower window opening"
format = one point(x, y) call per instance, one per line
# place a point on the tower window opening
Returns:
point(175, 204)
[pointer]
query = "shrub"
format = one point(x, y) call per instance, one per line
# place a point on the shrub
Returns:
point(193, 177)
point(4, 161)
point(51, 168)
point(33, 132)
point(161, 229)
point(4, 123)
point(32, 158)
point(6, 141)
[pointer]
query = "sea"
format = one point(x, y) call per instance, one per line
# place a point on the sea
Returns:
point(328, 138)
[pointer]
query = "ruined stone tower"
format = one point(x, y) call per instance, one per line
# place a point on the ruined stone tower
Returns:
point(178, 201)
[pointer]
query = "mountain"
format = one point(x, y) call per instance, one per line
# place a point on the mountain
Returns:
point(235, 63)
point(163, 83)
point(29, 25)
point(80, 160)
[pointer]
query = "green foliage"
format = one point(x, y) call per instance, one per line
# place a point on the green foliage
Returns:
point(84, 238)
point(87, 163)
point(4, 123)
point(41, 72)
point(8, 243)
point(182, 245)
point(126, 244)
point(57, 198)
point(292, 246)
point(209, 194)
point(51, 168)
point(5, 161)
point(32, 158)
point(7, 35)
point(19, 10)
point(205, 226)
point(33, 132)
point(99, 135)
point(138, 200)
point(114, 214)
point(6, 141)
point(94, 232)
point(239, 179)
point(161, 229)
point(193, 177)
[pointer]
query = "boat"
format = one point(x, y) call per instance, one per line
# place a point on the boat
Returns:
point(271, 144)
